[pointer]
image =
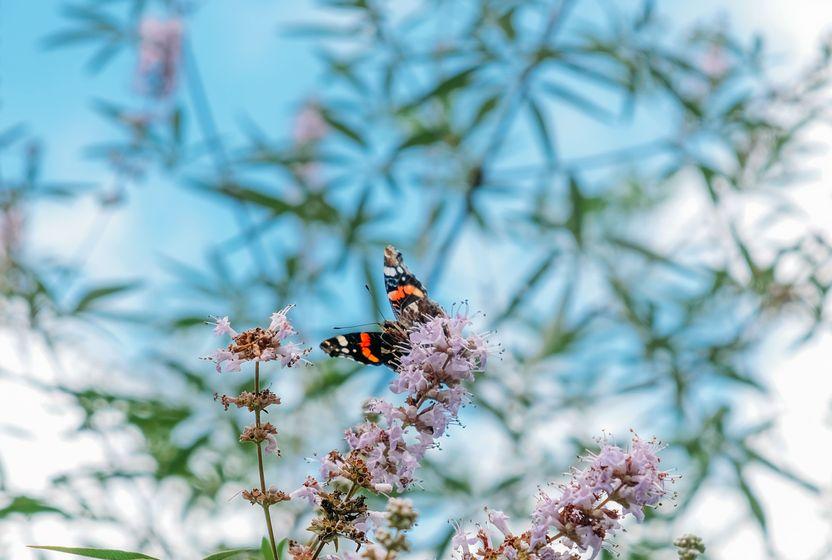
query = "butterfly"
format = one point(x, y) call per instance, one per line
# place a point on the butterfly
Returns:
point(411, 305)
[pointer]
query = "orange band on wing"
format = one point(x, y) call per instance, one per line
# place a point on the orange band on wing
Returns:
point(369, 355)
point(403, 291)
point(365, 348)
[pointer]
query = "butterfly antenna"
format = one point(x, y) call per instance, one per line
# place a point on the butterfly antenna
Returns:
point(353, 326)
point(376, 306)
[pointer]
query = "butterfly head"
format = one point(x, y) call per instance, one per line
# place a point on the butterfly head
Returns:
point(392, 257)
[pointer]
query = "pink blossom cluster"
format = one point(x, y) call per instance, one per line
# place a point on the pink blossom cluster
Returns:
point(257, 344)
point(439, 357)
point(587, 512)
point(11, 231)
point(160, 51)
point(310, 125)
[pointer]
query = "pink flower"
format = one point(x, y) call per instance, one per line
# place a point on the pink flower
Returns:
point(223, 326)
point(439, 358)
point(715, 63)
point(257, 344)
point(310, 125)
point(271, 445)
point(463, 541)
point(160, 51)
point(631, 480)
point(499, 520)
point(11, 231)
point(309, 491)
point(615, 483)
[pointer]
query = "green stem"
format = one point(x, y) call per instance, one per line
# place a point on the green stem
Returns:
point(318, 550)
point(260, 464)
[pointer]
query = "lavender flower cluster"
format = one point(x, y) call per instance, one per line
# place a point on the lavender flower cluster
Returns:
point(587, 512)
point(389, 446)
point(258, 344)
point(160, 51)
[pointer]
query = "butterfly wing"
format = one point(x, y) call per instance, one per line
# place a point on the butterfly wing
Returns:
point(371, 348)
point(403, 288)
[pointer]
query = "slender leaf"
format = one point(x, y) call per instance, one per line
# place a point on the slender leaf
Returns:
point(225, 554)
point(101, 553)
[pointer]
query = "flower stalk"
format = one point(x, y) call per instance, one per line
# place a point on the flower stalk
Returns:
point(265, 505)
point(259, 345)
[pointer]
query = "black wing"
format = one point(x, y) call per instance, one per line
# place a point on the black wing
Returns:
point(403, 288)
point(370, 348)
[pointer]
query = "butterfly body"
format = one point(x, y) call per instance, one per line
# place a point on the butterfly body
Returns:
point(411, 305)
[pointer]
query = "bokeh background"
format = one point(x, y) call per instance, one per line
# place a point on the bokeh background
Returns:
point(633, 195)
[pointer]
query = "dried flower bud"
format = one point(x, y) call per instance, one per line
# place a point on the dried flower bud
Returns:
point(268, 498)
point(299, 551)
point(401, 514)
point(264, 433)
point(251, 401)
point(391, 541)
point(340, 517)
point(690, 547)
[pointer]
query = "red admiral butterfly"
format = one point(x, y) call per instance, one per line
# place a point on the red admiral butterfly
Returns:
point(410, 303)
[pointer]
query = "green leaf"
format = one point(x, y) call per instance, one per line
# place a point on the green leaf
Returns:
point(539, 120)
point(281, 548)
point(750, 497)
point(506, 23)
point(24, 505)
point(343, 128)
point(224, 554)
point(422, 137)
point(102, 553)
point(446, 86)
point(92, 296)
point(529, 285)
point(575, 222)
point(266, 549)
point(487, 107)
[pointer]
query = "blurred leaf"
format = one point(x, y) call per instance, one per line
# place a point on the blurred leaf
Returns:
point(539, 120)
point(24, 505)
point(101, 553)
point(506, 23)
point(445, 87)
point(527, 287)
point(225, 554)
point(422, 138)
point(486, 108)
point(343, 128)
point(751, 498)
point(781, 471)
point(91, 297)
point(266, 549)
